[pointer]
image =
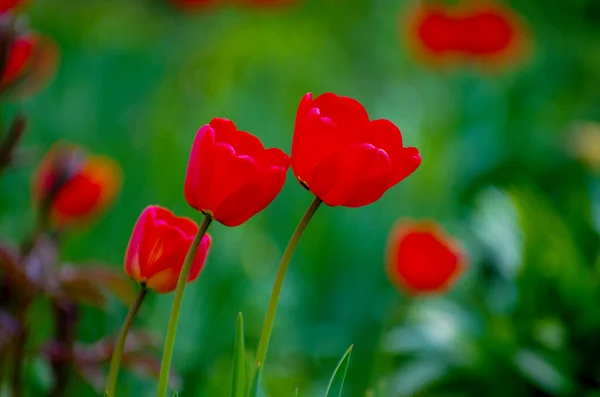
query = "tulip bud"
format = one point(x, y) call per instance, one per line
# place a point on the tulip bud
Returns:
point(230, 175)
point(71, 187)
point(158, 247)
point(422, 259)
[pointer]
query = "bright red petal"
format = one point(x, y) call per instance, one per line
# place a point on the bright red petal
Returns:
point(199, 172)
point(337, 179)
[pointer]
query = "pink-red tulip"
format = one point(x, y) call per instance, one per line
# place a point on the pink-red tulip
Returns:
point(230, 175)
point(345, 158)
point(71, 187)
point(158, 246)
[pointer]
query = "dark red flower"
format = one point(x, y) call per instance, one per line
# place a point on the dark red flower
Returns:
point(230, 175)
point(71, 187)
point(32, 59)
point(422, 259)
point(6, 5)
point(158, 246)
point(342, 156)
point(480, 31)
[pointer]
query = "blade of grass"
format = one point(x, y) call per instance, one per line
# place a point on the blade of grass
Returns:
point(238, 383)
point(255, 384)
point(343, 363)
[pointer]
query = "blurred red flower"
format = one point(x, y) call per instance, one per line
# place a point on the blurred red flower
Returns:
point(6, 5)
point(71, 187)
point(31, 61)
point(479, 31)
point(158, 246)
point(230, 175)
point(342, 156)
point(422, 259)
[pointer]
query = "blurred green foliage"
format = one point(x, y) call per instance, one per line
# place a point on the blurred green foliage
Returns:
point(138, 78)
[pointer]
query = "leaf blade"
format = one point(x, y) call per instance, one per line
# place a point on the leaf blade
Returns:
point(344, 362)
point(238, 381)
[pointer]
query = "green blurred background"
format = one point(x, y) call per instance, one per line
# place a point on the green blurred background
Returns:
point(138, 78)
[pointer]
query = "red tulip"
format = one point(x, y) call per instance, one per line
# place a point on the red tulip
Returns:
point(6, 5)
point(158, 246)
point(474, 31)
point(230, 175)
point(32, 59)
point(344, 158)
point(422, 259)
point(71, 187)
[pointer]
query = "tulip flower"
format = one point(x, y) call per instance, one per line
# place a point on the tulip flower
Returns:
point(484, 32)
point(158, 246)
point(422, 259)
point(230, 175)
point(162, 250)
point(71, 187)
point(31, 61)
point(7, 5)
point(343, 157)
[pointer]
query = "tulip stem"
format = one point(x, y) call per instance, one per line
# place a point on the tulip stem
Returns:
point(165, 365)
point(265, 336)
point(115, 362)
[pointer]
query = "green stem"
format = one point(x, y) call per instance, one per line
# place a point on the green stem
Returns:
point(265, 336)
point(115, 362)
point(165, 365)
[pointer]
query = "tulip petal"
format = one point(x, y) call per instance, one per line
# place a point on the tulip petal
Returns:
point(225, 130)
point(337, 179)
point(345, 112)
point(199, 172)
point(314, 140)
point(251, 198)
point(408, 163)
point(132, 260)
point(200, 257)
point(230, 173)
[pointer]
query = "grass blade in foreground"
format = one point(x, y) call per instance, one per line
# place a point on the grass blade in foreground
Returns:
point(255, 384)
point(238, 383)
point(337, 374)
point(296, 393)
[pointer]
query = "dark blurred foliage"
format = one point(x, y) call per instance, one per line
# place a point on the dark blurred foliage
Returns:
point(138, 78)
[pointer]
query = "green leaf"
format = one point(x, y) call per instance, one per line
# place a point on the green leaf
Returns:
point(342, 375)
point(238, 383)
point(255, 384)
point(296, 393)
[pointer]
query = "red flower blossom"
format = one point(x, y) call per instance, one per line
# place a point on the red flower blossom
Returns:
point(71, 187)
point(422, 259)
point(230, 175)
point(32, 59)
point(479, 31)
point(6, 5)
point(342, 156)
point(158, 246)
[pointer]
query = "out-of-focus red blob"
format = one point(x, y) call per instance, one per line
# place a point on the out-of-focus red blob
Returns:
point(230, 175)
point(71, 187)
point(422, 259)
point(345, 158)
point(32, 60)
point(158, 247)
point(484, 32)
point(6, 5)
point(438, 33)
